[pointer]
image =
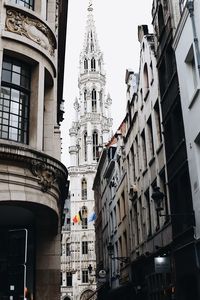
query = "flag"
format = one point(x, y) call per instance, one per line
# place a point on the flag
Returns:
point(77, 218)
point(80, 215)
point(74, 219)
point(92, 217)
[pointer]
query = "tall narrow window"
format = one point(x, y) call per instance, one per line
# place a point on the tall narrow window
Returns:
point(158, 123)
point(148, 215)
point(94, 100)
point(144, 151)
point(84, 247)
point(95, 145)
point(14, 100)
point(85, 145)
point(192, 73)
point(25, 3)
point(69, 278)
point(150, 138)
point(67, 249)
point(93, 64)
point(84, 215)
point(146, 82)
point(85, 65)
point(84, 276)
point(161, 22)
point(84, 189)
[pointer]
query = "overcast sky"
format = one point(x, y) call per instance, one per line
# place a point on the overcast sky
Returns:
point(116, 25)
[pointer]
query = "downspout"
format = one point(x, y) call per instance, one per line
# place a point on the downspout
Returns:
point(190, 7)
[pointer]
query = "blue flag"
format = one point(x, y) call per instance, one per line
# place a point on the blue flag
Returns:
point(92, 217)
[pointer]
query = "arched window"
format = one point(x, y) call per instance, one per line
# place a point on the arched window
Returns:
point(93, 64)
point(84, 214)
point(94, 100)
point(84, 189)
point(85, 65)
point(95, 145)
point(146, 81)
point(85, 145)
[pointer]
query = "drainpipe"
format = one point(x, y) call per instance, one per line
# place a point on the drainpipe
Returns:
point(190, 7)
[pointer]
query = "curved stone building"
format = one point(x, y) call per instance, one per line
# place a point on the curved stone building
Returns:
point(33, 182)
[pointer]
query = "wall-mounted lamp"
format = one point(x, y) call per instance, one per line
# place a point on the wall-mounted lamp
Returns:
point(110, 248)
point(158, 197)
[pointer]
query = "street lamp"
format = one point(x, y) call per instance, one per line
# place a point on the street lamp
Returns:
point(110, 248)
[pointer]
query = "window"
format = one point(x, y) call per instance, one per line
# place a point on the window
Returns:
point(14, 100)
point(85, 65)
point(94, 100)
point(150, 137)
point(161, 22)
point(136, 224)
point(144, 151)
point(85, 146)
point(67, 249)
point(84, 214)
point(164, 190)
point(85, 101)
point(25, 3)
point(84, 189)
point(146, 82)
point(148, 213)
point(158, 123)
point(69, 278)
point(192, 73)
point(95, 145)
point(93, 64)
point(119, 211)
point(84, 276)
point(84, 247)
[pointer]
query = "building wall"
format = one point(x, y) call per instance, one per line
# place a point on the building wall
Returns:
point(32, 178)
point(187, 57)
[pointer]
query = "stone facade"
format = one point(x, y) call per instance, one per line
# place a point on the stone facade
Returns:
point(33, 182)
point(90, 130)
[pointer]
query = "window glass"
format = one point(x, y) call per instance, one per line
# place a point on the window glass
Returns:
point(14, 100)
point(25, 3)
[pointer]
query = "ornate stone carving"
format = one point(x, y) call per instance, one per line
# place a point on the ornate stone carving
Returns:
point(87, 295)
point(31, 28)
point(46, 177)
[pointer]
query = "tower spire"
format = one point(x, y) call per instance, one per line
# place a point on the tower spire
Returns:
point(90, 8)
